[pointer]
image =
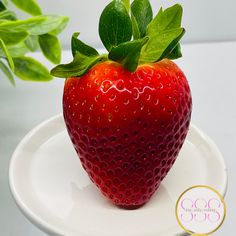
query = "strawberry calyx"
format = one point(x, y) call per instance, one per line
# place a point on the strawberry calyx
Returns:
point(131, 36)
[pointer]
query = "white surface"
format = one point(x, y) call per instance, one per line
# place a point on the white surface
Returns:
point(52, 189)
point(209, 20)
point(210, 69)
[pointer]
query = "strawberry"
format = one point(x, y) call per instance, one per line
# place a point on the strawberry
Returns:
point(128, 112)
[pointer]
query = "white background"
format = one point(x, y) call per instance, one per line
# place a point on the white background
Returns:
point(204, 20)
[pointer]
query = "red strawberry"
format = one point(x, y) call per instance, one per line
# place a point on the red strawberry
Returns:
point(127, 121)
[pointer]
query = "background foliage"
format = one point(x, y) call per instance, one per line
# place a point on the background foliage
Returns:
point(21, 36)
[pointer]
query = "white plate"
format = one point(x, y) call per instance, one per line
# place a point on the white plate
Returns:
point(53, 191)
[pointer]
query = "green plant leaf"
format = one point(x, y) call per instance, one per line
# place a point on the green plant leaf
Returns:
point(29, 6)
point(141, 11)
point(50, 47)
point(3, 21)
point(27, 68)
point(36, 25)
point(175, 53)
point(2, 6)
point(128, 53)
point(10, 38)
point(7, 15)
point(78, 67)
point(31, 42)
point(5, 2)
point(7, 55)
point(16, 50)
point(18, 37)
point(51, 23)
point(115, 26)
point(23, 25)
point(63, 23)
point(78, 46)
point(7, 72)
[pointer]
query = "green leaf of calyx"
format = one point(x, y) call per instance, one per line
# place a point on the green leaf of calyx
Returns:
point(128, 53)
point(164, 32)
point(141, 16)
point(126, 4)
point(115, 26)
point(78, 67)
point(78, 46)
point(29, 6)
point(169, 19)
point(27, 68)
point(172, 46)
point(136, 32)
point(175, 53)
point(7, 55)
point(10, 38)
point(7, 72)
point(160, 45)
point(51, 47)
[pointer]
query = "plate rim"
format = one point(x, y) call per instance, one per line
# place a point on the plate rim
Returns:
point(48, 228)
point(27, 212)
